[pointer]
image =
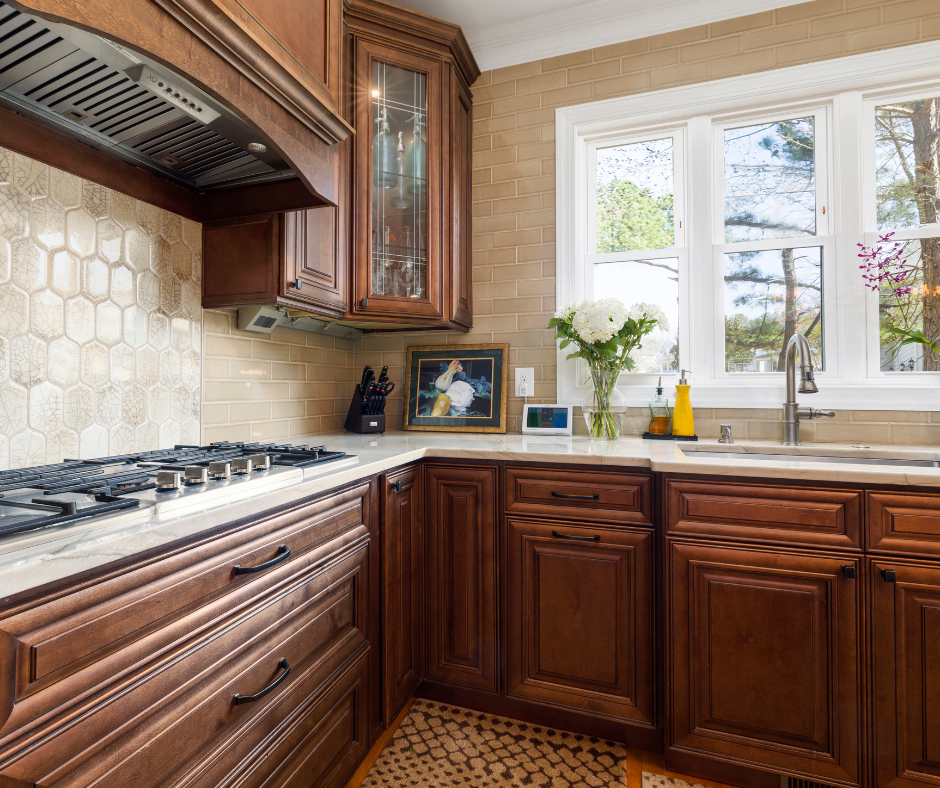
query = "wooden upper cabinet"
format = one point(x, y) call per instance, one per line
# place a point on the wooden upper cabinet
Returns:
point(410, 199)
point(764, 657)
point(289, 259)
point(303, 36)
point(905, 628)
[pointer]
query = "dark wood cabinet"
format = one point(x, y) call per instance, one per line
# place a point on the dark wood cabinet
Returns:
point(395, 249)
point(905, 628)
point(402, 588)
point(303, 36)
point(410, 79)
point(461, 576)
point(132, 680)
point(764, 658)
point(288, 259)
point(579, 624)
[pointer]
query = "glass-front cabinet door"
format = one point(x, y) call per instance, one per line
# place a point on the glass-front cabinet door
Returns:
point(398, 195)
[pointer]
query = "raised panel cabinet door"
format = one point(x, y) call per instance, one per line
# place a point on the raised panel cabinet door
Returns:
point(905, 630)
point(402, 588)
point(579, 631)
point(763, 659)
point(314, 273)
point(461, 578)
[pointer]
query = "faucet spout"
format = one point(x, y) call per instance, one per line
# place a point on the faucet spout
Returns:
point(799, 344)
point(792, 412)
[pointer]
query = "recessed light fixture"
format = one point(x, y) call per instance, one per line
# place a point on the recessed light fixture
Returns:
point(257, 147)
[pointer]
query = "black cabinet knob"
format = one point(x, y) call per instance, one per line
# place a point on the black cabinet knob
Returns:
point(296, 284)
point(363, 302)
point(396, 486)
point(889, 575)
point(849, 571)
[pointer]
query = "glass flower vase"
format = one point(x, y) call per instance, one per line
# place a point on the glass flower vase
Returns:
point(604, 408)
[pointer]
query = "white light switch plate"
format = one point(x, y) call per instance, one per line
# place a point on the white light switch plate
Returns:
point(525, 381)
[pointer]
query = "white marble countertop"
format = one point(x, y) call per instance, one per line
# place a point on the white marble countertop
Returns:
point(41, 557)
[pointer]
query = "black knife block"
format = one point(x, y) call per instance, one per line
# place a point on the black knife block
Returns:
point(363, 423)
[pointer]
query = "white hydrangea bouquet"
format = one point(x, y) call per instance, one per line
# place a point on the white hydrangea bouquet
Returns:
point(605, 335)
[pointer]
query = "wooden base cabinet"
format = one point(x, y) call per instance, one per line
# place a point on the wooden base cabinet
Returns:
point(402, 589)
point(905, 626)
point(764, 661)
point(579, 629)
point(460, 560)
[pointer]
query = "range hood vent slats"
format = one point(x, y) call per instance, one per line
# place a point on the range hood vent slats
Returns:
point(88, 95)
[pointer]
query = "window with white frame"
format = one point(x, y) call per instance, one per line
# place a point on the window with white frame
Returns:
point(732, 211)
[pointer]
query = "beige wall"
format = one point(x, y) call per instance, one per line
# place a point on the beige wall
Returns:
point(296, 383)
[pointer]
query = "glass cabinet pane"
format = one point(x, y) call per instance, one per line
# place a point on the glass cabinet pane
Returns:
point(399, 182)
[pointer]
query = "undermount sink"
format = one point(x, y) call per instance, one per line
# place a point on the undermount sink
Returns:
point(785, 456)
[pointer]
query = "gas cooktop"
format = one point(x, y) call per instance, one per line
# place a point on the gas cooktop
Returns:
point(152, 481)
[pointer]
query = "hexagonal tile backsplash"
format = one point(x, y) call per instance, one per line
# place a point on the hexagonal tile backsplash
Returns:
point(100, 334)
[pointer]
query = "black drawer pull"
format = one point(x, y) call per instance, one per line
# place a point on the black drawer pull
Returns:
point(283, 553)
point(890, 575)
point(569, 497)
point(595, 538)
point(396, 486)
point(849, 571)
point(240, 699)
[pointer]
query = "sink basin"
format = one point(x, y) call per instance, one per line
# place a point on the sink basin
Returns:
point(768, 456)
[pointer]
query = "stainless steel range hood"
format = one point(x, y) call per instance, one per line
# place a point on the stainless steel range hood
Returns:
point(120, 102)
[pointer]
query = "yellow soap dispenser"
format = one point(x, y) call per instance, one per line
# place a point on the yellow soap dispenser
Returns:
point(682, 421)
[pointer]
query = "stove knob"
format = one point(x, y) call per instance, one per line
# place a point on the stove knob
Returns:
point(220, 469)
point(261, 462)
point(195, 474)
point(168, 480)
point(241, 465)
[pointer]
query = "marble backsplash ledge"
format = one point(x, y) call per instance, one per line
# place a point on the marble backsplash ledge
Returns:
point(100, 319)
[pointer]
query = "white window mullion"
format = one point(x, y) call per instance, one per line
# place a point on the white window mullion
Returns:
point(700, 356)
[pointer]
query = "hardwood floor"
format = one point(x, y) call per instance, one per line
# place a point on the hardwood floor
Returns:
point(365, 767)
point(636, 763)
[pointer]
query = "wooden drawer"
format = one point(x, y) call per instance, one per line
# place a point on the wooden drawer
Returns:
point(904, 523)
point(764, 512)
point(63, 647)
point(319, 742)
point(582, 495)
point(157, 727)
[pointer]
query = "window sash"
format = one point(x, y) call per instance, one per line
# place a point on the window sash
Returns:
point(829, 305)
point(822, 142)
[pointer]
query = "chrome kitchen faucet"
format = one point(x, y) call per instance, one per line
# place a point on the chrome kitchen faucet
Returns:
point(792, 412)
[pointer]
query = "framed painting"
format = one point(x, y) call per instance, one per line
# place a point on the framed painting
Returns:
point(456, 388)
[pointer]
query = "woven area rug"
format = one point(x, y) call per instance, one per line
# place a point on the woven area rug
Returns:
point(444, 745)
point(658, 781)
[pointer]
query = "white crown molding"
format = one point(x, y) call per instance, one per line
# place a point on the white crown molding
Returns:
point(582, 26)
